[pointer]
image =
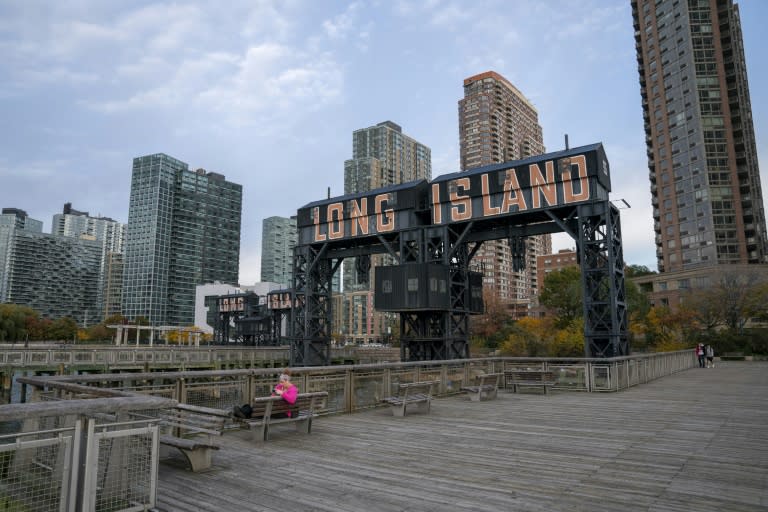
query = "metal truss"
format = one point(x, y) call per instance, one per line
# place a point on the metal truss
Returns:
point(602, 279)
point(311, 315)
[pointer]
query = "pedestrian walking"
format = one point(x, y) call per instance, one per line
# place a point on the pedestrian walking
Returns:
point(700, 354)
point(710, 353)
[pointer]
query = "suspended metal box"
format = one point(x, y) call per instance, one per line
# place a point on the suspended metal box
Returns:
point(414, 286)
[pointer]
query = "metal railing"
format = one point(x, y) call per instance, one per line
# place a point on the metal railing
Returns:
point(48, 356)
point(355, 387)
point(78, 456)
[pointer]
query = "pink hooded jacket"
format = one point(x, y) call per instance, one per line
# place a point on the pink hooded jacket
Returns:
point(289, 394)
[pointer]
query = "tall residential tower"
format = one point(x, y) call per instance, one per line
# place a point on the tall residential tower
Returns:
point(497, 124)
point(702, 161)
point(382, 155)
point(183, 230)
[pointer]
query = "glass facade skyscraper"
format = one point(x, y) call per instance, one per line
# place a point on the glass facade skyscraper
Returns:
point(279, 236)
point(183, 230)
point(702, 159)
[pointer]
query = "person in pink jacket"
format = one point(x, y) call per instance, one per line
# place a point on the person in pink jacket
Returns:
point(285, 389)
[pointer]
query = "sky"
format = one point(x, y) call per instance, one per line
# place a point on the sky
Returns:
point(268, 93)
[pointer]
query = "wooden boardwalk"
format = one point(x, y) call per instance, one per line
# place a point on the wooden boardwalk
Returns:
point(695, 441)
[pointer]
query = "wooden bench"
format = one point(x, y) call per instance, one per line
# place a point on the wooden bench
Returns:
point(486, 389)
point(418, 394)
point(187, 423)
point(534, 378)
point(266, 408)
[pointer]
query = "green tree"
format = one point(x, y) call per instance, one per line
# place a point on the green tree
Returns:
point(637, 271)
point(563, 294)
point(13, 322)
point(64, 329)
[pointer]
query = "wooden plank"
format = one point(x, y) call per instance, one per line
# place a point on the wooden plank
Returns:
point(696, 440)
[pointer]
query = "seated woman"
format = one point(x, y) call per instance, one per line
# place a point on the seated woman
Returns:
point(285, 389)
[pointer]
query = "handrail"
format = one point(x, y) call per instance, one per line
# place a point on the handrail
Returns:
point(357, 385)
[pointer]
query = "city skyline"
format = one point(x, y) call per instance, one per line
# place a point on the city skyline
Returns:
point(268, 95)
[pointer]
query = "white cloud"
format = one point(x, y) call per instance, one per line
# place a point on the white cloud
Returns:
point(342, 24)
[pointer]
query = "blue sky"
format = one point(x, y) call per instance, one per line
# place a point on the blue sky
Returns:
point(268, 93)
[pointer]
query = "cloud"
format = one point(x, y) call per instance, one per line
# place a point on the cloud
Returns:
point(273, 78)
point(342, 24)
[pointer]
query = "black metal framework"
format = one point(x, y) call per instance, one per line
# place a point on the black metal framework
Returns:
point(602, 278)
point(444, 224)
point(432, 335)
point(242, 318)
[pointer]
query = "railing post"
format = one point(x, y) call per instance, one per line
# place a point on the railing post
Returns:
point(181, 391)
point(250, 387)
point(443, 379)
point(349, 391)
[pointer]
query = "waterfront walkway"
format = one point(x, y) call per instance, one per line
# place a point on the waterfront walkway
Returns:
point(694, 441)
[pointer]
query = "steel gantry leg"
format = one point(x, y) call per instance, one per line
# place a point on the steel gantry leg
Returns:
point(602, 277)
point(311, 315)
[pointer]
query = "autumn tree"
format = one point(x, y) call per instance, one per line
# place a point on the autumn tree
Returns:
point(493, 326)
point(568, 341)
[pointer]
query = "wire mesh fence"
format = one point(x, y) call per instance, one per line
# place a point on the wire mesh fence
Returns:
point(124, 476)
point(35, 469)
point(70, 461)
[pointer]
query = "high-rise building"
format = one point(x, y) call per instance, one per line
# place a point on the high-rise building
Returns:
point(183, 230)
point(279, 236)
point(111, 235)
point(497, 124)
point(79, 224)
point(702, 161)
point(382, 155)
point(12, 219)
point(57, 276)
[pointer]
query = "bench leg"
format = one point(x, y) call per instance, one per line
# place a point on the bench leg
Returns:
point(475, 397)
point(259, 433)
point(488, 395)
point(398, 410)
point(304, 425)
point(199, 458)
point(545, 389)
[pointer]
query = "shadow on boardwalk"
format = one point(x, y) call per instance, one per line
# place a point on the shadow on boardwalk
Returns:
point(695, 441)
